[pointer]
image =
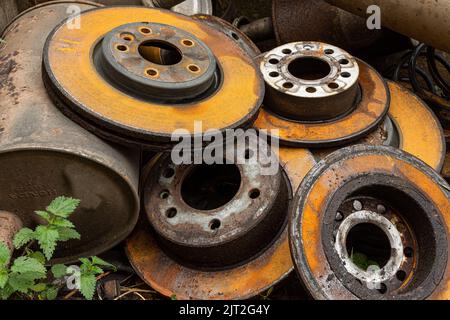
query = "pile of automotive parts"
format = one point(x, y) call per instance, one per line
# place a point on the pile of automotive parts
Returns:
point(86, 100)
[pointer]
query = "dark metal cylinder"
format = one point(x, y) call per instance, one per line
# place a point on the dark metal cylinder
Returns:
point(8, 10)
point(44, 155)
point(427, 21)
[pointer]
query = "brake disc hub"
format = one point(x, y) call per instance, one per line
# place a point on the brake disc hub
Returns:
point(307, 82)
point(318, 95)
point(157, 61)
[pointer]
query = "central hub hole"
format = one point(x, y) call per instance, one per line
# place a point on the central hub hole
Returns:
point(367, 245)
point(208, 187)
point(309, 68)
point(160, 52)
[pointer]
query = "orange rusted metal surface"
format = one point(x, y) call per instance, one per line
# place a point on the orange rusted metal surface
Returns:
point(307, 218)
point(415, 129)
point(171, 278)
point(419, 130)
point(369, 113)
point(69, 64)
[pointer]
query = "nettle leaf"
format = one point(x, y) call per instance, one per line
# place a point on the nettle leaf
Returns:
point(5, 254)
point(96, 270)
point(87, 285)
point(62, 222)
point(59, 270)
point(101, 262)
point(29, 265)
point(51, 293)
point(24, 236)
point(39, 256)
point(20, 282)
point(43, 214)
point(63, 206)
point(47, 238)
point(3, 278)
point(40, 287)
point(6, 292)
point(68, 234)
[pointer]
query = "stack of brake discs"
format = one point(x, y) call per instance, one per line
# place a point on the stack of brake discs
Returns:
point(83, 100)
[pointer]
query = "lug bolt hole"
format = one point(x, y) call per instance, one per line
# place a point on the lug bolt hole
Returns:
point(274, 74)
point(164, 194)
point(288, 85)
point(408, 252)
point(333, 85)
point(151, 72)
point(401, 275)
point(214, 224)
point(254, 194)
point(171, 213)
point(344, 61)
point(286, 51)
point(329, 51)
point(194, 68)
point(311, 90)
point(145, 30)
point(274, 61)
point(346, 74)
point(122, 48)
point(187, 43)
point(169, 173)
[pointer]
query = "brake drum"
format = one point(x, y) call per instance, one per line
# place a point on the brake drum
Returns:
point(227, 244)
point(372, 222)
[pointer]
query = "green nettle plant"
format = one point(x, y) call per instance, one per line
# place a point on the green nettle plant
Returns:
point(27, 276)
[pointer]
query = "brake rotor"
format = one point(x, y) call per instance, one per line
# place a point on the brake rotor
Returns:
point(372, 222)
point(231, 31)
point(216, 254)
point(410, 126)
point(135, 75)
point(318, 95)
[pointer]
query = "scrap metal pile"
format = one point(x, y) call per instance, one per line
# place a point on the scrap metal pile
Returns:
point(89, 111)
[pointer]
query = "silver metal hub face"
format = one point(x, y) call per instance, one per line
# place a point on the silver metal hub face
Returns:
point(310, 81)
point(372, 275)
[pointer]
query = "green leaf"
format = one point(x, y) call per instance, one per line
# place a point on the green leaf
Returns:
point(101, 262)
point(68, 234)
point(5, 254)
point(61, 222)
point(47, 237)
point(96, 270)
point(51, 293)
point(40, 287)
point(22, 237)
point(38, 256)
point(63, 206)
point(6, 292)
point(20, 282)
point(173, 297)
point(3, 278)
point(59, 270)
point(44, 214)
point(87, 285)
point(28, 265)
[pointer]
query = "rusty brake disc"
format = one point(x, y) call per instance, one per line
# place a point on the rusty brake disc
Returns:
point(410, 126)
point(231, 31)
point(318, 95)
point(223, 239)
point(372, 222)
point(135, 75)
